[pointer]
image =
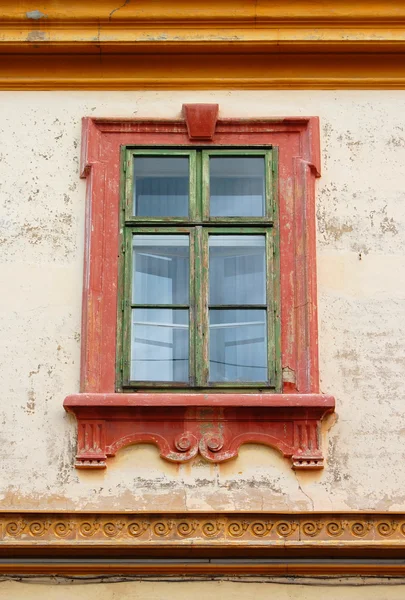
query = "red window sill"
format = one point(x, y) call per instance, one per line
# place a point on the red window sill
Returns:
point(214, 425)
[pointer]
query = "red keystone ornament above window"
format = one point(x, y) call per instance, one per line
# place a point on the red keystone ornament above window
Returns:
point(213, 423)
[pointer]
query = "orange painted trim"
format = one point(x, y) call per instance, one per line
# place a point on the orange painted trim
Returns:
point(251, 44)
point(49, 12)
point(206, 543)
point(240, 70)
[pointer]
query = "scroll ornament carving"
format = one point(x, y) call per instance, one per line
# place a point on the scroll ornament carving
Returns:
point(261, 528)
point(212, 528)
point(186, 528)
point(89, 529)
point(62, 528)
point(237, 529)
point(137, 528)
point(312, 528)
point(112, 529)
point(387, 528)
point(16, 528)
point(163, 528)
point(201, 528)
point(360, 528)
point(336, 528)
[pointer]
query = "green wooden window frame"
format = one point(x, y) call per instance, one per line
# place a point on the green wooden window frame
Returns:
point(199, 225)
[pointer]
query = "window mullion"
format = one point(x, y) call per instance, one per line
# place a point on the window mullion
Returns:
point(193, 308)
point(201, 296)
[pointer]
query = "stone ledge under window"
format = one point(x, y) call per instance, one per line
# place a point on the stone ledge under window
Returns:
point(213, 425)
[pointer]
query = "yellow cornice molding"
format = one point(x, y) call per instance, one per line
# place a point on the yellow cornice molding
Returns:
point(200, 10)
point(243, 69)
point(215, 44)
point(160, 22)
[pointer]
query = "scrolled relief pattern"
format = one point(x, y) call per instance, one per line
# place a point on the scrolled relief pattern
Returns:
point(387, 528)
point(336, 528)
point(200, 529)
point(236, 529)
point(286, 528)
point(360, 528)
point(39, 528)
point(212, 528)
point(187, 528)
point(16, 528)
point(113, 529)
point(63, 529)
point(311, 528)
point(163, 528)
point(261, 528)
point(138, 528)
point(88, 529)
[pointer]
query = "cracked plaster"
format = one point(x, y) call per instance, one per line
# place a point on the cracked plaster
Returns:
point(361, 264)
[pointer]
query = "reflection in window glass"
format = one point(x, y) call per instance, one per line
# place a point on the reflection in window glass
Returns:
point(161, 269)
point(237, 345)
point(159, 349)
point(161, 186)
point(237, 186)
point(237, 271)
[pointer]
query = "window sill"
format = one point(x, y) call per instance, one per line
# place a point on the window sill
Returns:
point(213, 425)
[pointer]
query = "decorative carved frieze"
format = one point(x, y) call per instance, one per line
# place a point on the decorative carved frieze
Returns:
point(202, 529)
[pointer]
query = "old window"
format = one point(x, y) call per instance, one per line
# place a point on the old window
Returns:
point(206, 252)
point(200, 306)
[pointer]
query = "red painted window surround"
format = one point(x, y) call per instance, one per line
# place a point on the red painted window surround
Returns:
point(215, 424)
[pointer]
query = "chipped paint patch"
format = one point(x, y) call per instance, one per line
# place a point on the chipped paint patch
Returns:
point(36, 36)
point(36, 14)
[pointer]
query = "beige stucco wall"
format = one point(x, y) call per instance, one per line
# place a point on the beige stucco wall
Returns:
point(361, 268)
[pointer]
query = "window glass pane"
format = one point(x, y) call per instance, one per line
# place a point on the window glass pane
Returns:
point(237, 269)
point(161, 186)
point(159, 344)
point(237, 345)
point(161, 269)
point(237, 186)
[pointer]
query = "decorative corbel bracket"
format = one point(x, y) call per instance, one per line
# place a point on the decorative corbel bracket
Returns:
point(214, 425)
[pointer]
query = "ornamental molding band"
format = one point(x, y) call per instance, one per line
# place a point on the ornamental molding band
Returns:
point(189, 422)
point(304, 44)
point(330, 538)
point(202, 529)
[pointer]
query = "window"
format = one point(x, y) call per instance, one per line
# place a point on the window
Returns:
point(213, 277)
point(200, 304)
